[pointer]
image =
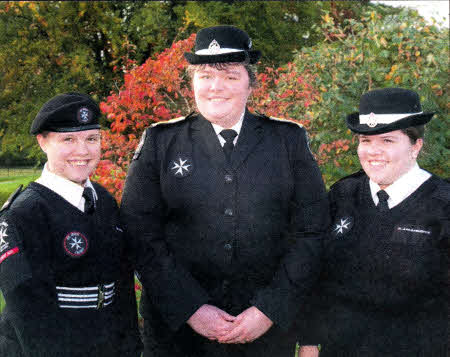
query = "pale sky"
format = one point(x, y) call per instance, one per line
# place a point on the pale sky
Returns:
point(427, 8)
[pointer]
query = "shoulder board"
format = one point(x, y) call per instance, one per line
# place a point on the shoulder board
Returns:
point(11, 198)
point(171, 121)
point(279, 119)
point(285, 121)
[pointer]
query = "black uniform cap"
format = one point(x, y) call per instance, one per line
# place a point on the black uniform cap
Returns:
point(222, 44)
point(68, 112)
point(387, 109)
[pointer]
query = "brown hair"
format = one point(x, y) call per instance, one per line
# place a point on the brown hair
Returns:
point(414, 133)
point(251, 70)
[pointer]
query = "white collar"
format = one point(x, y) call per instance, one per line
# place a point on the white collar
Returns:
point(402, 187)
point(236, 127)
point(70, 191)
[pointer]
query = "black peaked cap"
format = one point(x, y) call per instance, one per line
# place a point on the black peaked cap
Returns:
point(222, 44)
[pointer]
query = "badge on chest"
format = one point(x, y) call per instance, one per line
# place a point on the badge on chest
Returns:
point(75, 244)
point(181, 166)
point(342, 226)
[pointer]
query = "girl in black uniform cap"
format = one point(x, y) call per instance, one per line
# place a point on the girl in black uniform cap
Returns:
point(384, 287)
point(63, 271)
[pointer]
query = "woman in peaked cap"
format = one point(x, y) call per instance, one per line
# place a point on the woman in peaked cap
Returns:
point(384, 289)
point(63, 267)
point(227, 208)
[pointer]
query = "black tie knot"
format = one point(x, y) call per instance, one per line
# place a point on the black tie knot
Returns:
point(383, 201)
point(89, 200)
point(228, 135)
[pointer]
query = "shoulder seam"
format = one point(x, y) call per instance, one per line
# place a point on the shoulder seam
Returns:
point(11, 198)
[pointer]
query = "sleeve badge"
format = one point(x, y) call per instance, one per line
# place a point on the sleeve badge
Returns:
point(4, 245)
point(3, 234)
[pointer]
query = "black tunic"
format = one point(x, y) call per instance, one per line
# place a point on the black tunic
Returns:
point(234, 235)
point(56, 251)
point(384, 289)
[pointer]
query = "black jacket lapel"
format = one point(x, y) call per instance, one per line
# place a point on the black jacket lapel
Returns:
point(250, 135)
point(203, 133)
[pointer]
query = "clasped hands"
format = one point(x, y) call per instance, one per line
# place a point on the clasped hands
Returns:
point(217, 325)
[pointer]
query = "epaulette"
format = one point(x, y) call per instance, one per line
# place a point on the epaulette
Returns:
point(279, 119)
point(11, 198)
point(286, 121)
point(137, 152)
point(171, 121)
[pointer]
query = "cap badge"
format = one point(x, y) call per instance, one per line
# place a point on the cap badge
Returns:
point(342, 226)
point(84, 115)
point(3, 243)
point(181, 168)
point(214, 47)
point(372, 121)
point(75, 244)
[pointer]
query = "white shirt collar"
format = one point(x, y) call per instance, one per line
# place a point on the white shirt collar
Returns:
point(70, 191)
point(236, 127)
point(402, 187)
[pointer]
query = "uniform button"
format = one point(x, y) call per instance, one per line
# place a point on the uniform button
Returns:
point(228, 178)
point(227, 246)
point(228, 212)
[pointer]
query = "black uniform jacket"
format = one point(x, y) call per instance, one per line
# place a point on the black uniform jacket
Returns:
point(384, 287)
point(235, 235)
point(54, 262)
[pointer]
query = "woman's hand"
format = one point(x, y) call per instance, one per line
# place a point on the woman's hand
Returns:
point(308, 351)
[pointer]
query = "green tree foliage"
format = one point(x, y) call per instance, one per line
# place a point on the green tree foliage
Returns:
point(375, 51)
point(45, 49)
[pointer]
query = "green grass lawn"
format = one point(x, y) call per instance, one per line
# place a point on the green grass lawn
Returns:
point(8, 184)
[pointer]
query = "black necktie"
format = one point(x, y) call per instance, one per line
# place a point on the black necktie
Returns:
point(228, 135)
point(383, 201)
point(89, 201)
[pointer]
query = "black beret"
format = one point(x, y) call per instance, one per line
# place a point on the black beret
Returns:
point(67, 112)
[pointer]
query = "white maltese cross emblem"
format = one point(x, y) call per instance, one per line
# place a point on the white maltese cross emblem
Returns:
point(214, 47)
point(3, 243)
point(75, 244)
point(342, 226)
point(181, 167)
point(84, 115)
